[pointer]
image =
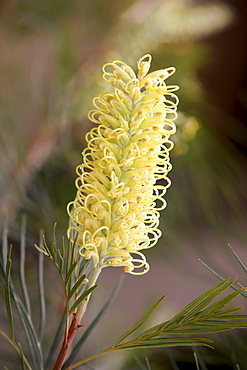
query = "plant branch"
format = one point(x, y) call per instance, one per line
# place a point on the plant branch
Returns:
point(76, 322)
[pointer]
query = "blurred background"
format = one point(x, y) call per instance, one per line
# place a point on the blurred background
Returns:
point(50, 70)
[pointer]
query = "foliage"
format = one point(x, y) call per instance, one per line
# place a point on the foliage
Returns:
point(200, 317)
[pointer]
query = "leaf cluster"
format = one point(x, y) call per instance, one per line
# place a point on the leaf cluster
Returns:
point(64, 260)
point(204, 315)
point(200, 317)
point(22, 304)
point(70, 270)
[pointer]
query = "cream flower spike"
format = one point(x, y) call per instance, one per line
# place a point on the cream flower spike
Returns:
point(114, 215)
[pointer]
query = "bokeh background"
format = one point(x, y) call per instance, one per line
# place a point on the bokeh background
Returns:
point(50, 70)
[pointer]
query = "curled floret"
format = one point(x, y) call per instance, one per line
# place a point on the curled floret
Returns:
point(115, 213)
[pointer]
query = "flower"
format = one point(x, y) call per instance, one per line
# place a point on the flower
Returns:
point(115, 215)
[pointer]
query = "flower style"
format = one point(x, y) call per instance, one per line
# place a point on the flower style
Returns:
point(114, 215)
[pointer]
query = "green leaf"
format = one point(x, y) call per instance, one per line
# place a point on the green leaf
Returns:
point(217, 306)
point(70, 261)
point(18, 348)
point(41, 295)
point(81, 298)
point(22, 310)
point(139, 322)
point(194, 319)
point(206, 298)
point(53, 252)
point(31, 335)
point(196, 361)
point(171, 359)
point(56, 342)
point(238, 259)
point(148, 364)
point(5, 242)
point(168, 342)
point(61, 261)
point(188, 311)
point(62, 256)
point(22, 264)
point(22, 356)
point(88, 331)
point(220, 277)
point(8, 295)
point(76, 286)
point(69, 273)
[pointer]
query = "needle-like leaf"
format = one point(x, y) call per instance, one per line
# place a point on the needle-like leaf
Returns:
point(18, 348)
point(90, 328)
point(22, 264)
point(76, 286)
point(8, 294)
point(41, 295)
point(139, 322)
point(238, 259)
point(81, 298)
point(56, 342)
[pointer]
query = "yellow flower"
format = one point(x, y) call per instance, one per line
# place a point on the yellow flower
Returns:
point(114, 215)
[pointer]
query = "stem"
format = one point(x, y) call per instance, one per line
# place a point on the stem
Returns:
point(91, 358)
point(75, 323)
point(108, 350)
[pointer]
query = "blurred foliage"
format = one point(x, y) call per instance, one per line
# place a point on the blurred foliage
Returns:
point(51, 55)
point(50, 62)
point(190, 327)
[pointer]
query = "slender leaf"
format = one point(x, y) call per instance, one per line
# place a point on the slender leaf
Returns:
point(148, 363)
point(69, 273)
point(208, 298)
point(86, 334)
point(54, 244)
point(22, 356)
point(171, 359)
point(199, 359)
point(42, 249)
point(5, 242)
point(31, 335)
point(197, 322)
point(76, 286)
point(81, 298)
point(17, 348)
point(22, 264)
point(238, 259)
point(168, 343)
point(56, 342)
point(41, 295)
point(70, 260)
point(46, 246)
point(200, 330)
point(196, 361)
point(68, 257)
point(217, 306)
point(8, 294)
point(138, 362)
point(178, 332)
point(61, 261)
point(220, 277)
point(230, 317)
point(188, 311)
point(53, 252)
point(62, 256)
point(139, 322)
point(24, 316)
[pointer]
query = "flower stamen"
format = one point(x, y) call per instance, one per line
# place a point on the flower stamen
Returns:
point(115, 213)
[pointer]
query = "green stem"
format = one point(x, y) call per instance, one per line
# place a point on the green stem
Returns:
point(91, 358)
point(75, 323)
point(108, 350)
